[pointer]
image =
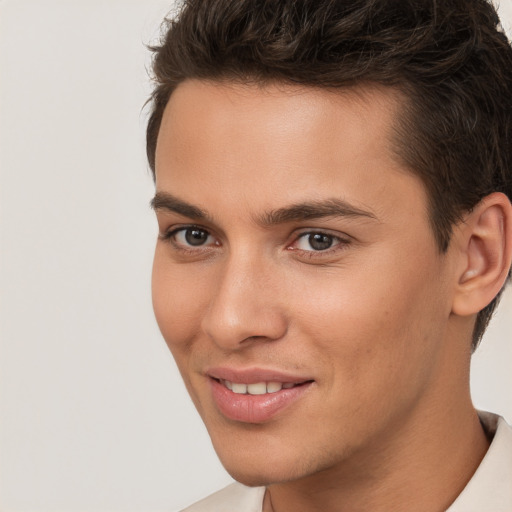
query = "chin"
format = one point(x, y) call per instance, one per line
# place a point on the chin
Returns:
point(250, 480)
point(258, 477)
point(263, 467)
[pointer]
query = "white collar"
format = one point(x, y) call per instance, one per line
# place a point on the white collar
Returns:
point(490, 488)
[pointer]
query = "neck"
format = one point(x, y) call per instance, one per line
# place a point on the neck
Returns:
point(422, 463)
point(424, 472)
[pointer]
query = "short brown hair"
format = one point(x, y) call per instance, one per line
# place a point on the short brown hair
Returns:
point(450, 58)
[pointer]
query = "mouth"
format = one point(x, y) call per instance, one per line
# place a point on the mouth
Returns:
point(255, 396)
point(258, 388)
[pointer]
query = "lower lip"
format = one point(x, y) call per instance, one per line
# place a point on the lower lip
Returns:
point(254, 408)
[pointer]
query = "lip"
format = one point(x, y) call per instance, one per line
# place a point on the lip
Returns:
point(254, 375)
point(247, 408)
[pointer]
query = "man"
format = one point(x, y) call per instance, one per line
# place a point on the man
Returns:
point(332, 193)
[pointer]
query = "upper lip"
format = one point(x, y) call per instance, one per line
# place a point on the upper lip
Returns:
point(254, 375)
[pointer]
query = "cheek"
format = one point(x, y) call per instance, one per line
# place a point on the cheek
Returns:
point(374, 325)
point(179, 296)
point(372, 366)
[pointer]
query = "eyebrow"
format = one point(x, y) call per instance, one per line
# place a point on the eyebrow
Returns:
point(309, 210)
point(165, 201)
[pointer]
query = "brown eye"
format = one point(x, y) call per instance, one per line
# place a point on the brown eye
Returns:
point(194, 236)
point(320, 241)
point(315, 242)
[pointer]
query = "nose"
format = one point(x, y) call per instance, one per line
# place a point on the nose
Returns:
point(246, 306)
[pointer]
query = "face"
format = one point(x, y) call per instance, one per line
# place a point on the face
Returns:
point(296, 278)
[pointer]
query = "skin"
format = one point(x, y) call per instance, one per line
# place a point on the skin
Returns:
point(388, 422)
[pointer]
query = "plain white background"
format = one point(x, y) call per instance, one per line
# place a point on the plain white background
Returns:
point(93, 414)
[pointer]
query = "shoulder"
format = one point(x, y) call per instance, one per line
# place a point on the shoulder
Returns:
point(245, 499)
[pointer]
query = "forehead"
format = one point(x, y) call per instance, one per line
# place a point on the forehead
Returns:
point(279, 143)
point(278, 111)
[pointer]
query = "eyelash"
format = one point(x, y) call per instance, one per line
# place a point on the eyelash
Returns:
point(170, 236)
point(338, 243)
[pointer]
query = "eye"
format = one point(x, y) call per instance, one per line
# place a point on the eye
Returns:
point(191, 237)
point(316, 242)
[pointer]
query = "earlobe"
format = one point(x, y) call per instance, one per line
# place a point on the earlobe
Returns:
point(486, 254)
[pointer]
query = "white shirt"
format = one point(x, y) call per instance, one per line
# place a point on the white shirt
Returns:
point(489, 490)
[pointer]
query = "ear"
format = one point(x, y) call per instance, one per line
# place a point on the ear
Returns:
point(484, 240)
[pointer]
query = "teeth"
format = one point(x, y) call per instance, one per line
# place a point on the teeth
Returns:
point(259, 388)
point(274, 387)
point(240, 389)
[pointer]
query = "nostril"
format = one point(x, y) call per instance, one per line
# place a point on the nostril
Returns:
point(255, 338)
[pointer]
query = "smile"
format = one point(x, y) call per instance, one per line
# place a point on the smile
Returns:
point(259, 388)
point(255, 396)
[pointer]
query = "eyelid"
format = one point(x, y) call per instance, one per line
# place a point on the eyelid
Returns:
point(170, 234)
point(342, 241)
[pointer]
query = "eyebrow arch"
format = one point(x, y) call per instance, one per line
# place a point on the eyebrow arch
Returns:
point(165, 201)
point(333, 207)
point(310, 210)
